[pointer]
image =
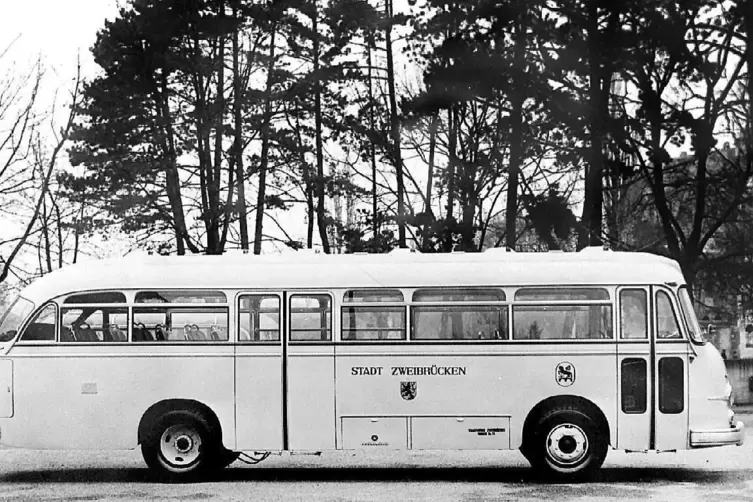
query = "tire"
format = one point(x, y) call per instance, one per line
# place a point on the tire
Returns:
point(567, 445)
point(181, 446)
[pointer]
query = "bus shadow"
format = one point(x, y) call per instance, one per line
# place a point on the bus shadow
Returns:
point(508, 475)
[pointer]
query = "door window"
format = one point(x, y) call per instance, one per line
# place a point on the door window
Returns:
point(633, 314)
point(667, 326)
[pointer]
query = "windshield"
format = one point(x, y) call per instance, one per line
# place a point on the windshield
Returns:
point(686, 304)
point(13, 317)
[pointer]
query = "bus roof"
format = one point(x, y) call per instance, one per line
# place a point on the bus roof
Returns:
point(400, 268)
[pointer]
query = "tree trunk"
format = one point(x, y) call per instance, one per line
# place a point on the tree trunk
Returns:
point(451, 163)
point(372, 148)
point(172, 179)
point(599, 82)
point(265, 139)
point(397, 156)
point(238, 145)
point(433, 126)
point(516, 135)
point(214, 242)
point(321, 218)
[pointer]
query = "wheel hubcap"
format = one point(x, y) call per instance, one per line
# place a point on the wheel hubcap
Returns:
point(180, 445)
point(567, 444)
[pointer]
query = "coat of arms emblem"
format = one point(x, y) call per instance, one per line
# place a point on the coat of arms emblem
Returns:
point(565, 374)
point(408, 390)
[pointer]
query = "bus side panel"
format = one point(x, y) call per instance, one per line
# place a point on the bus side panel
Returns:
point(97, 395)
point(466, 380)
point(259, 397)
point(6, 388)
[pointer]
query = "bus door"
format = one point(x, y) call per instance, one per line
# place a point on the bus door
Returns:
point(309, 372)
point(671, 359)
point(258, 371)
point(652, 367)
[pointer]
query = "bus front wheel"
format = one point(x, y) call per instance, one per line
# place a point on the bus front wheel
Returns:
point(180, 446)
point(568, 444)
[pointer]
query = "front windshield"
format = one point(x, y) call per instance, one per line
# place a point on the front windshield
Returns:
point(686, 304)
point(13, 317)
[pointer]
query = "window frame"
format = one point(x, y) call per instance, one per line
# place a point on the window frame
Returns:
point(289, 318)
point(33, 317)
point(376, 308)
point(97, 306)
point(679, 321)
point(600, 303)
point(609, 302)
point(647, 315)
point(502, 306)
point(180, 307)
point(238, 313)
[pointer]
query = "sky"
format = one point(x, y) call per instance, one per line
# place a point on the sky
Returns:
point(55, 30)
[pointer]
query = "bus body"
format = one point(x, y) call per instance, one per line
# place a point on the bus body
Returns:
point(560, 355)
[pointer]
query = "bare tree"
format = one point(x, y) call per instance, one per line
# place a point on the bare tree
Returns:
point(29, 156)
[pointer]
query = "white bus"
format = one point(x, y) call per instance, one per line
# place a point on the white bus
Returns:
point(560, 355)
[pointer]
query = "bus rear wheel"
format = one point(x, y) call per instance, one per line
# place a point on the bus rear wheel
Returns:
point(181, 447)
point(568, 444)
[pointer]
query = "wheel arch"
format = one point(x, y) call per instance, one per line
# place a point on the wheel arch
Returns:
point(586, 405)
point(158, 409)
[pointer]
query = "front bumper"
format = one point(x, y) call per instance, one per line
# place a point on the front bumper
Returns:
point(734, 435)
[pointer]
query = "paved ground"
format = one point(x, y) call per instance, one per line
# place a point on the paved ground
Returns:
point(715, 474)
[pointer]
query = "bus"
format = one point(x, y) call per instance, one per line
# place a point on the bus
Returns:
point(197, 359)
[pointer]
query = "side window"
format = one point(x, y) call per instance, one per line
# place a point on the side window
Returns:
point(94, 324)
point(562, 322)
point(459, 323)
point(187, 324)
point(42, 328)
point(310, 318)
point(373, 323)
point(459, 314)
point(666, 321)
point(96, 297)
point(633, 314)
point(259, 318)
point(373, 314)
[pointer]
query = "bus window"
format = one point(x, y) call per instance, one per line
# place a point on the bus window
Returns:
point(181, 296)
point(94, 324)
point(13, 318)
point(562, 322)
point(160, 324)
point(686, 305)
point(666, 321)
point(561, 294)
point(97, 297)
point(259, 318)
point(633, 314)
point(458, 295)
point(42, 328)
point(459, 323)
point(373, 323)
point(373, 296)
point(310, 318)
